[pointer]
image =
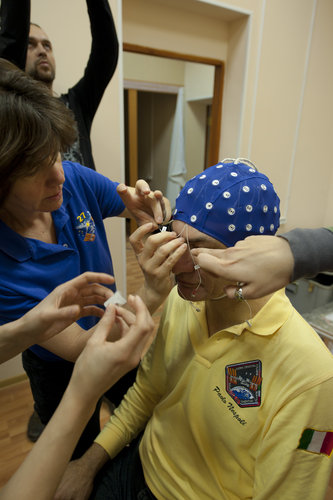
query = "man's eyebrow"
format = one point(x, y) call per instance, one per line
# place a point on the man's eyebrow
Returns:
point(34, 39)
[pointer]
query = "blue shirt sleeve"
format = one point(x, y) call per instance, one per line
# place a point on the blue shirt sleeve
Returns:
point(104, 189)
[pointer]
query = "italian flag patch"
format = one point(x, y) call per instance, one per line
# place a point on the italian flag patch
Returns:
point(320, 442)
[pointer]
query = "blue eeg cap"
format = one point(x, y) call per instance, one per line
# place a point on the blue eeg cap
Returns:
point(229, 201)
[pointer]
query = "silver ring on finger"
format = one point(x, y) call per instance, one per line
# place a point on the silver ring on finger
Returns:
point(239, 294)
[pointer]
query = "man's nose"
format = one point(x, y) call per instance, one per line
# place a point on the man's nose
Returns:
point(184, 264)
point(41, 49)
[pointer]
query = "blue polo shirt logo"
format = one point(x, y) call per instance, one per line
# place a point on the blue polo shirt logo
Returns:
point(86, 226)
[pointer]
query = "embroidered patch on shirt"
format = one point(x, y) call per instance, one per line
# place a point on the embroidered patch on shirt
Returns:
point(86, 227)
point(243, 383)
point(320, 442)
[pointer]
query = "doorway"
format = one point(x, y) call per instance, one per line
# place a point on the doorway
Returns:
point(149, 111)
point(149, 117)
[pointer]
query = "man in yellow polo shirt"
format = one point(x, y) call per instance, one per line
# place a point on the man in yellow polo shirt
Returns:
point(233, 395)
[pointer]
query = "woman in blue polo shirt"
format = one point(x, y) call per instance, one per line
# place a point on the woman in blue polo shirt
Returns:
point(51, 223)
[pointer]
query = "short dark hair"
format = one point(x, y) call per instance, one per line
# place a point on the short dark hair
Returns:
point(34, 126)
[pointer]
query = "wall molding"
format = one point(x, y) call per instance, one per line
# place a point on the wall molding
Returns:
point(151, 87)
point(13, 380)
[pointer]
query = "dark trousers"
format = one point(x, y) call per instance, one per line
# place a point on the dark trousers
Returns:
point(122, 478)
point(48, 382)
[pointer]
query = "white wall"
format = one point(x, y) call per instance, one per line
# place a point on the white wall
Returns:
point(199, 81)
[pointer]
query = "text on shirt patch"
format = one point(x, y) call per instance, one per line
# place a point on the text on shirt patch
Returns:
point(243, 383)
point(86, 226)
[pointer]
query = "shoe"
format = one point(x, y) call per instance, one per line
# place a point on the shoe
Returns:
point(35, 427)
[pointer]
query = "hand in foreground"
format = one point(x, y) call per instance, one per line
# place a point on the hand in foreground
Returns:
point(157, 254)
point(263, 263)
point(67, 303)
point(101, 362)
point(143, 204)
point(99, 366)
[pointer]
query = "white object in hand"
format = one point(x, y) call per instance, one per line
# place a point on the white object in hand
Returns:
point(116, 298)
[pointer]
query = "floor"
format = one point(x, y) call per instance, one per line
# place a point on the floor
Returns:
point(15, 409)
point(16, 405)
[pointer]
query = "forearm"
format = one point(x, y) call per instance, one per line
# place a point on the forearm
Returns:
point(103, 29)
point(103, 56)
point(40, 473)
point(17, 336)
point(151, 297)
point(312, 250)
point(13, 340)
point(69, 343)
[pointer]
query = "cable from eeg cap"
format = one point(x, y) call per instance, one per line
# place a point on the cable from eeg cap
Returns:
point(196, 267)
point(236, 161)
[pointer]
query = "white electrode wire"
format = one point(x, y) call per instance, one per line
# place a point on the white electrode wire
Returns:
point(248, 321)
point(196, 266)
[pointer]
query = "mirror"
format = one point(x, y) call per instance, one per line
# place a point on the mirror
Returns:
point(170, 103)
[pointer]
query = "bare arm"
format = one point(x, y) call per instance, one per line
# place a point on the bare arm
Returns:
point(78, 480)
point(69, 343)
point(66, 304)
point(100, 365)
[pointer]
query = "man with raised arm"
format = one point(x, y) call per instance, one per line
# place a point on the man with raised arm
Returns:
point(28, 47)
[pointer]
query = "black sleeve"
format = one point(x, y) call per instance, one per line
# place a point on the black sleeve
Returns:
point(14, 31)
point(88, 92)
point(312, 250)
